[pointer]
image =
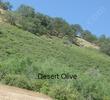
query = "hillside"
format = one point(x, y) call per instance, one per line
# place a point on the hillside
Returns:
point(1, 14)
point(83, 43)
point(23, 55)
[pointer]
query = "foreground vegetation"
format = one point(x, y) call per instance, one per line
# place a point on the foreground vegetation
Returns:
point(23, 55)
point(32, 43)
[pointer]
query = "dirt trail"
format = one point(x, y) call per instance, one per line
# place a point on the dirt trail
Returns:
point(13, 93)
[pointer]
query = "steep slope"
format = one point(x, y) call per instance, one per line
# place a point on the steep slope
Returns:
point(23, 55)
point(2, 12)
point(83, 43)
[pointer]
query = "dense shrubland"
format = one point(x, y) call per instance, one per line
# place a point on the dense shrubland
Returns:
point(23, 55)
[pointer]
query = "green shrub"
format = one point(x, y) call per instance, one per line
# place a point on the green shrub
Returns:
point(17, 80)
point(29, 55)
point(106, 48)
point(62, 92)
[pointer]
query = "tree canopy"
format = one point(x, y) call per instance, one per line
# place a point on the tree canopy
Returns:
point(5, 5)
point(28, 19)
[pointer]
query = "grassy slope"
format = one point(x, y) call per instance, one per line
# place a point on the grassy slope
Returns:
point(23, 55)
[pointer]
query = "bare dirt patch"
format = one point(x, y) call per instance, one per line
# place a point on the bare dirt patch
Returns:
point(13, 93)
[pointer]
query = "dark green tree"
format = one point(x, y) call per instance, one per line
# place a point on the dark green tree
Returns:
point(77, 29)
point(61, 26)
point(104, 43)
point(105, 46)
point(87, 35)
point(26, 11)
point(5, 5)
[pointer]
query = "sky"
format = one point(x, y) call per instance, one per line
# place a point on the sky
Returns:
point(92, 15)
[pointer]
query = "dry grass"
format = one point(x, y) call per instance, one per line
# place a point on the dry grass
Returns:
point(85, 43)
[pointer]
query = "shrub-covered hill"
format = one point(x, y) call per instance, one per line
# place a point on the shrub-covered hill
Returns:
point(23, 55)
